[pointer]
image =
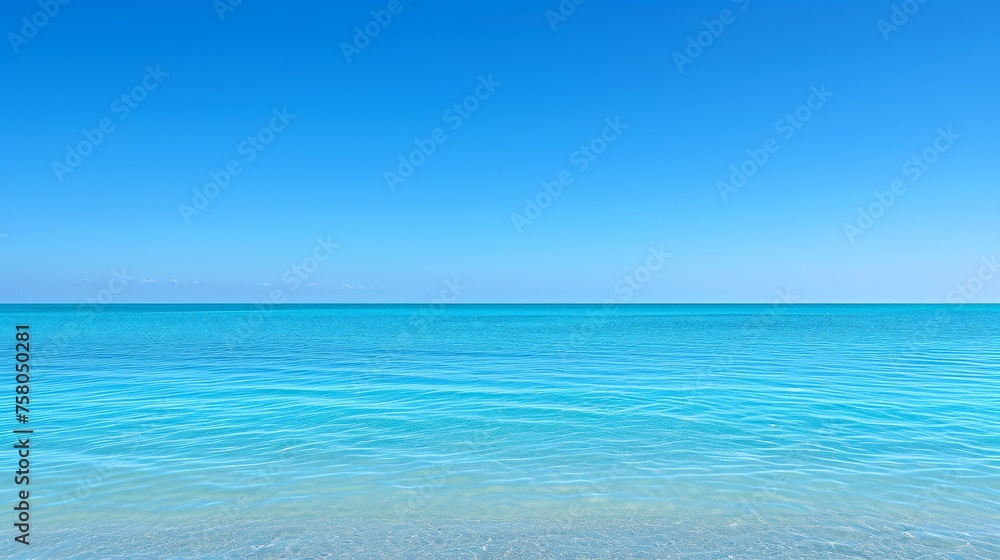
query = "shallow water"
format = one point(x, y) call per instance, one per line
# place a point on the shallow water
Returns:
point(513, 431)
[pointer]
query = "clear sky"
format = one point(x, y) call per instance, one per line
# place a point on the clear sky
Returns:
point(121, 119)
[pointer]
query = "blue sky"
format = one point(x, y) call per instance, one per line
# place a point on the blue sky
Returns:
point(121, 119)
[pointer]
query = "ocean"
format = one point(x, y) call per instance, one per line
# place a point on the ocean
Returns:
point(508, 431)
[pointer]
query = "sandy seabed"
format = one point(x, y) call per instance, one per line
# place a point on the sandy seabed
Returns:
point(818, 537)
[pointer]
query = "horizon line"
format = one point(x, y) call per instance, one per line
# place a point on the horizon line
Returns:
point(614, 303)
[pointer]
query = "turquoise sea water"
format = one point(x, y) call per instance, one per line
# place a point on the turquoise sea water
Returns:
point(509, 431)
